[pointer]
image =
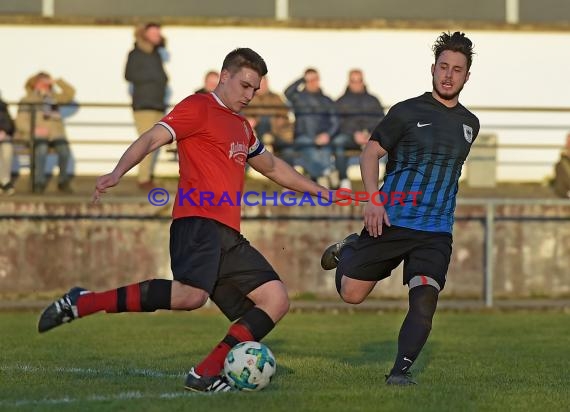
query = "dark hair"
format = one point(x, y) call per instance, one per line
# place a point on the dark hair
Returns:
point(311, 70)
point(456, 42)
point(244, 57)
point(151, 24)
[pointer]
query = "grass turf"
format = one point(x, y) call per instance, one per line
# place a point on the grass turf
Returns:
point(326, 362)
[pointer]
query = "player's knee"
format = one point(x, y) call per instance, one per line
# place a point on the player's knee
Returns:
point(282, 306)
point(279, 305)
point(352, 295)
point(194, 300)
point(273, 299)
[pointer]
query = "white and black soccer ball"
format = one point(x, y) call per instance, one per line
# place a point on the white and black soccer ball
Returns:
point(250, 366)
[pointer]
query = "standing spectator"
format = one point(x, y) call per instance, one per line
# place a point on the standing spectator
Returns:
point(6, 150)
point(146, 73)
point(211, 80)
point(269, 116)
point(43, 97)
point(359, 113)
point(316, 123)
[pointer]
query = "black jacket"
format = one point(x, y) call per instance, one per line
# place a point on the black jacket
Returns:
point(6, 122)
point(358, 111)
point(314, 112)
point(146, 72)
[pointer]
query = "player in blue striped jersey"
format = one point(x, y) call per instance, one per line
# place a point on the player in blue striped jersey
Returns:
point(427, 140)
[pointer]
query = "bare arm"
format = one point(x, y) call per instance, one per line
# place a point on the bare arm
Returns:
point(374, 214)
point(283, 174)
point(146, 143)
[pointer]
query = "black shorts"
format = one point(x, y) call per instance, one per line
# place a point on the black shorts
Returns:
point(425, 255)
point(213, 257)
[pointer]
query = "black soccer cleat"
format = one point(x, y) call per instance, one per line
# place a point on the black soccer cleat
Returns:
point(197, 383)
point(330, 257)
point(400, 379)
point(63, 310)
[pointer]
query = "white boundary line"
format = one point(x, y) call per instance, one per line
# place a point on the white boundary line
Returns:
point(121, 396)
point(147, 373)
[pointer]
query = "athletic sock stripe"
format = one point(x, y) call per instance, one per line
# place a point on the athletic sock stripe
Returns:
point(122, 299)
point(421, 280)
point(240, 332)
point(230, 340)
point(133, 298)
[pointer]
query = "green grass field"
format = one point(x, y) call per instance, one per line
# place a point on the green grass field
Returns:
point(326, 362)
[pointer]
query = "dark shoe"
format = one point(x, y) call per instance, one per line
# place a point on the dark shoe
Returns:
point(330, 257)
point(8, 189)
point(400, 379)
point(63, 310)
point(65, 188)
point(197, 383)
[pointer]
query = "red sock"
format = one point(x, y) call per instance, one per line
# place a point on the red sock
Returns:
point(123, 299)
point(213, 363)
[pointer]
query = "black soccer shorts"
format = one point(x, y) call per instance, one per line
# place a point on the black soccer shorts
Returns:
point(425, 255)
point(213, 257)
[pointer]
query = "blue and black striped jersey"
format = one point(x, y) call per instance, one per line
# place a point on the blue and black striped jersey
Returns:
point(427, 144)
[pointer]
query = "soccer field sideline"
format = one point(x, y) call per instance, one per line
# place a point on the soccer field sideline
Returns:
point(122, 396)
point(28, 369)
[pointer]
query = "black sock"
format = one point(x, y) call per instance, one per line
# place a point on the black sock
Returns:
point(416, 327)
point(155, 294)
point(258, 322)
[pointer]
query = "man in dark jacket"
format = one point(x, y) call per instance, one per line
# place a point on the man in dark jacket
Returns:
point(359, 113)
point(316, 124)
point(146, 73)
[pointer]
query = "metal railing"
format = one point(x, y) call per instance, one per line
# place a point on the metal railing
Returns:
point(562, 128)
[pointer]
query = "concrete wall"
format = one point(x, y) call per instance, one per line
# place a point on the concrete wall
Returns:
point(38, 256)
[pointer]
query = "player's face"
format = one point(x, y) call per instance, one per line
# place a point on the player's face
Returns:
point(236, 90)
point(449, 74)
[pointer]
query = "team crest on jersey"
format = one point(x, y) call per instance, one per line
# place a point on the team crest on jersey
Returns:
point(468, 133)
point(238, 152)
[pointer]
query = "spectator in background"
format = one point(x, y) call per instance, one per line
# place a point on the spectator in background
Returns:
point(562, 172)
point(359, 113)
point(268, 115)
point(43, 97)
point(6, 150)
point(316, 123)
point(145, 71)
point(211, 80)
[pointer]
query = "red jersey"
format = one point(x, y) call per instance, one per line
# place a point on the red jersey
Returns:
point(214, 144)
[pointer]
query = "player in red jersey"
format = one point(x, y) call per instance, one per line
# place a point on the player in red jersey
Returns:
point(209, 256)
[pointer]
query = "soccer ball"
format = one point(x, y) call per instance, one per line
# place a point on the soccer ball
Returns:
point(249, 366)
